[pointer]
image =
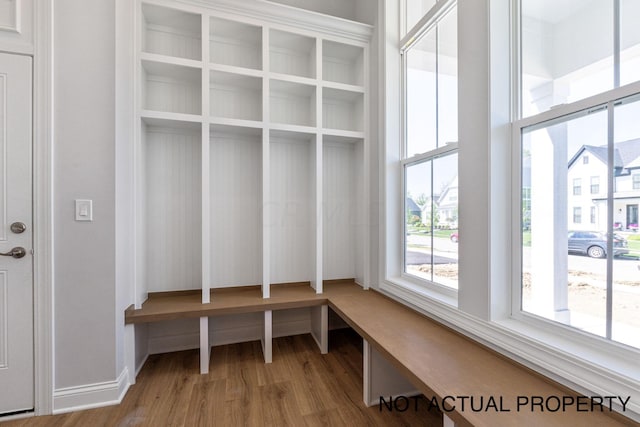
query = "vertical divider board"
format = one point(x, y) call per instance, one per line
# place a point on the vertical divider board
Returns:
point(205, 346)
point(267, 337)
point(317, 281)
point(320, 327)
point(141, 288)
point(366, 160)
point(266, 169)
point(206, 179)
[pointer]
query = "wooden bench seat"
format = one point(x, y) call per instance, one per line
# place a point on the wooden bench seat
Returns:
point(437, 361)
point(188, 304)
point(441, 362)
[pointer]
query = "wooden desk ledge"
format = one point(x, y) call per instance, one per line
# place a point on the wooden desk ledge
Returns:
point(441, 362)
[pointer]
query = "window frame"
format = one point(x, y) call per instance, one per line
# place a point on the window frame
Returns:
point(594, 188)
point(413, 36)
point(577, 186)
point(485, 308)
point(605, 99)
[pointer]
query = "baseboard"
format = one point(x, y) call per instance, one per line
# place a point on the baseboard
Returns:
point(90, 396)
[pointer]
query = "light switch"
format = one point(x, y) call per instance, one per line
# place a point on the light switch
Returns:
point(84, 210)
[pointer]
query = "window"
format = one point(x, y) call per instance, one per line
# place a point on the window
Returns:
point(636, 181)
point(577, 186)
point(595, 184)
point(430, 160)
point(577, 215)
point(414, 10)
point(573, 102)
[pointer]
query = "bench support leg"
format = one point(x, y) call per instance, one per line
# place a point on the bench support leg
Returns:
point(320, 327)
point(381, 378)
point(447, 422)
point(267, 337)
point(205, 349)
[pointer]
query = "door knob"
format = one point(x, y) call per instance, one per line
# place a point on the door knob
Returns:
point(17, 252)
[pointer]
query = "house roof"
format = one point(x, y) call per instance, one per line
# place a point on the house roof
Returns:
point(626, 154)
point(412, 206)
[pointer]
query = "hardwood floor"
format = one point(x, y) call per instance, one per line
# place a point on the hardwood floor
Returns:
point(300, 388)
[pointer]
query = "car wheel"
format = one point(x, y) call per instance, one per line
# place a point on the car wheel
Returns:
point(454, 238)
point(595, 252)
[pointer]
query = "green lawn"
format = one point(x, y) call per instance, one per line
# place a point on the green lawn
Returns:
point(425, 231)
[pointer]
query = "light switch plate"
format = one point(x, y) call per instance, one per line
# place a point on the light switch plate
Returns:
point(84, 210)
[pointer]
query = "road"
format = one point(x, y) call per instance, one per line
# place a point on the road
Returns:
point(445, 251)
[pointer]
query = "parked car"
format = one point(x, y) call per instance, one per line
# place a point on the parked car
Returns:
point(454, 237)
point(594, 243)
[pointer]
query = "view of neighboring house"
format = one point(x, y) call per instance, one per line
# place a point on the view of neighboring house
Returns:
point(587, 187)
point(445, 207)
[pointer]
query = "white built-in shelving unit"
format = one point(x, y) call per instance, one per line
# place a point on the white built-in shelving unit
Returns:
point(252, 150)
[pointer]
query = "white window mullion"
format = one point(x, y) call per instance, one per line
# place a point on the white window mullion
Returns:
point(610, 190)
point(616, 43)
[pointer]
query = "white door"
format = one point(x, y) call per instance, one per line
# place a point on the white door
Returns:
point(16, 231)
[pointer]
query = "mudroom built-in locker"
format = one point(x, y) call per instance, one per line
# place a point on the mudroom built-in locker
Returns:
point(251, 150)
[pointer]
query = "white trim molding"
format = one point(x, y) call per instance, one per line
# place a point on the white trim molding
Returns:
point(89, 396)
point(43, 206)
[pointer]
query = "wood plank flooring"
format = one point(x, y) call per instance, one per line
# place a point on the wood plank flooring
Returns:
point(300, 388)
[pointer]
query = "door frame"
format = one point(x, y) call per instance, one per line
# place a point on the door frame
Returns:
point(43, 279)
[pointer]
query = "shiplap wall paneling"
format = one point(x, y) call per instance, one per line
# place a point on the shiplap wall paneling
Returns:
point(342, 109)
point(171, 32)
point(236, 206)
point(235, 44)
point(292, 103)
point(172, 205)
point(342, 63)
point(291, 205)
point(235, 96)
point(341, 207)
point(171, 88)
point(292, 54)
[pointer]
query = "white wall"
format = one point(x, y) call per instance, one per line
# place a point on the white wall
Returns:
point(84, 167)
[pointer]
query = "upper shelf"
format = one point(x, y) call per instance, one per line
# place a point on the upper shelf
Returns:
point(171, 32)
point(342, 63)
point(235, 43)
point(292, 54)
